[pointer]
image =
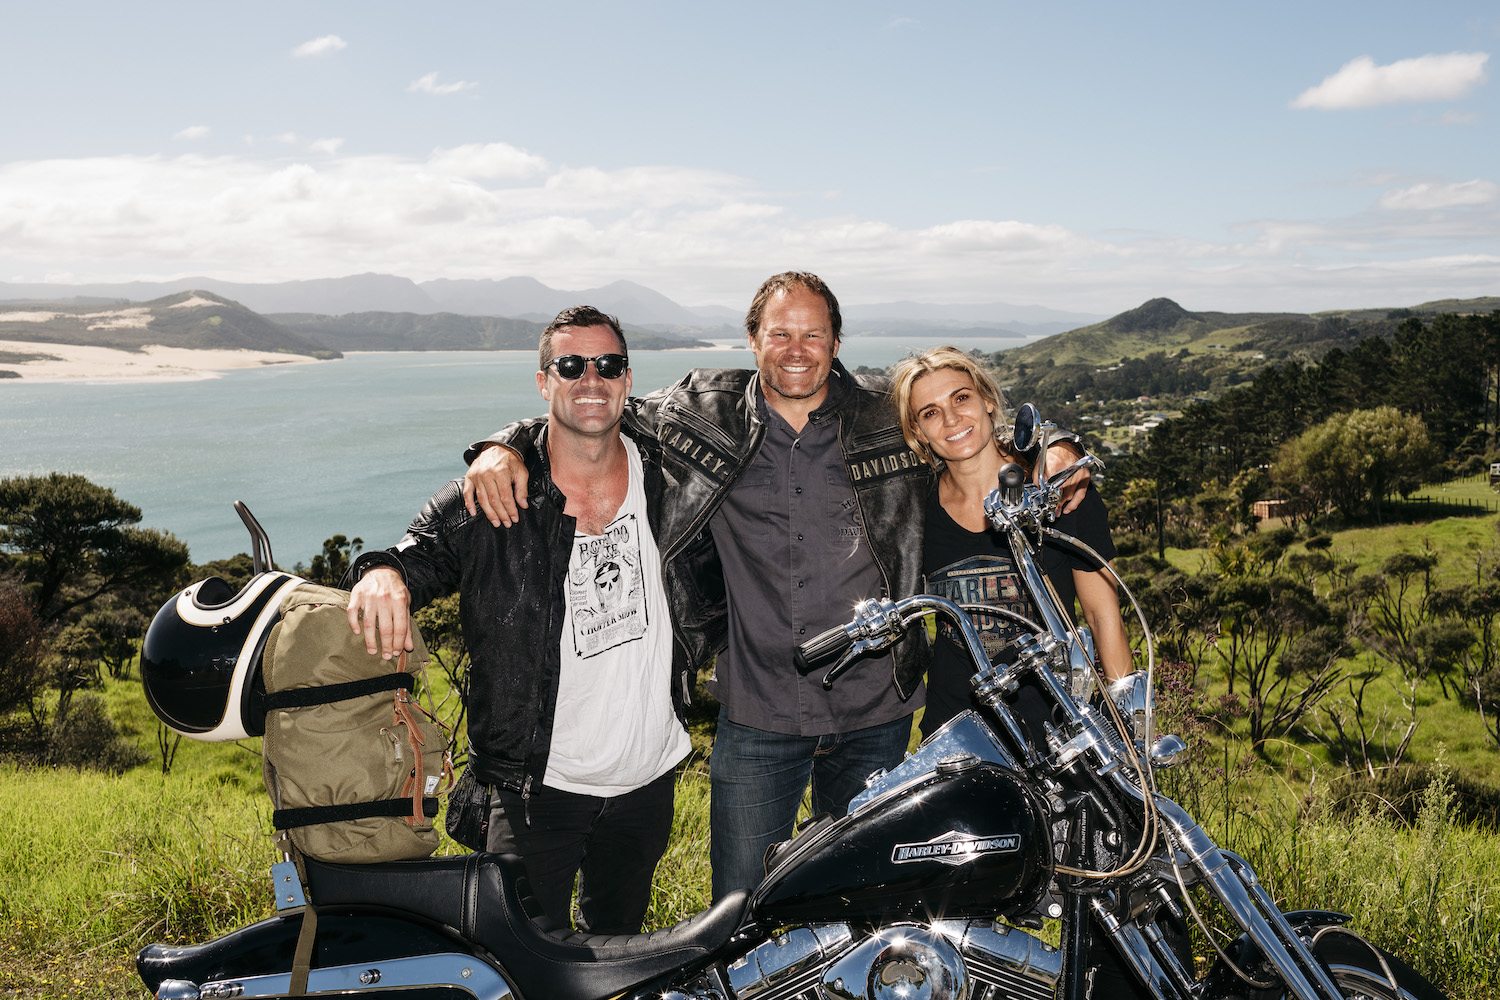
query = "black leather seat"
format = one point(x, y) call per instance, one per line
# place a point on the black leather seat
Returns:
point(485, 897)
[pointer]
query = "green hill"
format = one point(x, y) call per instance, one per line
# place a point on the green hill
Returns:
point(1157, 325)
point(196, 320)
point(1484, 304)
point(1162, 325)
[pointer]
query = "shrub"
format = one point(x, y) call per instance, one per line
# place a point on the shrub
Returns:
point(86, 737)
point(1399, 792)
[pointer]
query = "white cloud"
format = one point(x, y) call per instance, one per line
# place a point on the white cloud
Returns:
point(193, 132)
point(1362, 84)
point(1458, 117)
point(428, 85)
point(984, 236)
point(328, 146)
point(320, 46)
point(495, 160)
point(494, 210)
point(1427, 197)
point(899, 22)
point(289, 138)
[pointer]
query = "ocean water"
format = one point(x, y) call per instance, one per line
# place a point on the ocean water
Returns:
point(350, 447)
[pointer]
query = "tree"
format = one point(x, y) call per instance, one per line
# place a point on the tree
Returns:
point(443, 633)
point(236, 571)
point(329, 566)
point(1356, 458)
point(1440, 375)
point(1278, 636)
point(22, 646)
point(76, 652)
point(76, 541)
point(1139, 508)
point(118, 629)
point(1393, 611)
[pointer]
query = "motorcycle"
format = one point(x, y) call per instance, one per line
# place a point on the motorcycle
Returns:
point(1038, 804)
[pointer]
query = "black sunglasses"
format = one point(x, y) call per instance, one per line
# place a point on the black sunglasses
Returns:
point(571, 366)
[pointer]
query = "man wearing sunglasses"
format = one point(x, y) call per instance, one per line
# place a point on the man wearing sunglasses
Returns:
point(574, 715)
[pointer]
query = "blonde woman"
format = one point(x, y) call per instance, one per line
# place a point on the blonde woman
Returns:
point(950, 411)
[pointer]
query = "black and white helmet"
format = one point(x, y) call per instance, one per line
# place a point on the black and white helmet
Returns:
point(200, 660)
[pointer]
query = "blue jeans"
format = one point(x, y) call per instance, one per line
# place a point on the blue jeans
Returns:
point(756, 784)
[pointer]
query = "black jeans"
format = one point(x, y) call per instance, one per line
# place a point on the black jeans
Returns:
point(611, 844)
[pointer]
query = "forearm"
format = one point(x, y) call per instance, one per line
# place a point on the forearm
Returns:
point(515, 435)
point(1101, 609)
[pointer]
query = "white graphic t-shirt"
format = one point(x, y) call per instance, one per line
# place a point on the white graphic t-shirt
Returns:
point(607, 589)
point(614, 730)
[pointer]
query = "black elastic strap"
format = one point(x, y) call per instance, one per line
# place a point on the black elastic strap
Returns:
point(326, 694)
point(285, 819)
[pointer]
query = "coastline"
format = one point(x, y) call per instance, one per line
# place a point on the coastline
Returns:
point(153, 363)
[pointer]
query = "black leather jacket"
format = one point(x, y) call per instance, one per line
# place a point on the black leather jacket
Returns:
point(512, 609)
point(709, 430)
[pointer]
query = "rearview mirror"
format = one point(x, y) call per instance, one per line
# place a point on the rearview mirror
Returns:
point(1023, 438)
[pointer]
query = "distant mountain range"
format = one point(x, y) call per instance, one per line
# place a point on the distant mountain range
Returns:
point(204, 320)
point(105, 315)
point(404, 331)
point(529, 299)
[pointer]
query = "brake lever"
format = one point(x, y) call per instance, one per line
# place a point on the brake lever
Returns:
point(1088, 461)
point(877, 625)
point(860, 648)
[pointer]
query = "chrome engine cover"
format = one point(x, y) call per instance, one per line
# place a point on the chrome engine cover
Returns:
point(943, 960)
point(901, 962)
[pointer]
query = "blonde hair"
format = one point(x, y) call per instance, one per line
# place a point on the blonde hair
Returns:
point(904, 377)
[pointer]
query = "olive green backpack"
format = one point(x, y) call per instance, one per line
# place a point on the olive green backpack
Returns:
point(353, 764)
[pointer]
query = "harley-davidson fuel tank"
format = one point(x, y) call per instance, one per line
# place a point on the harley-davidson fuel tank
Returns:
point(953, 832)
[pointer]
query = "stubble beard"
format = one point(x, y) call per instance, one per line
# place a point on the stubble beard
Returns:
point(772, 379)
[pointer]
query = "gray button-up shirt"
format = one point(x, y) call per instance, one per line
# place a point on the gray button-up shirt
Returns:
point(795, 562)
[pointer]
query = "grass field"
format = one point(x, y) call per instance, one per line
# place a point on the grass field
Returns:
point(112, 862)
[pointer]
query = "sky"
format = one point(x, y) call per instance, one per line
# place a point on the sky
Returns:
point(1084, 156)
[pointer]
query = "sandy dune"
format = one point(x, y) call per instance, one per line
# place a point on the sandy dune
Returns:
point(154, 363)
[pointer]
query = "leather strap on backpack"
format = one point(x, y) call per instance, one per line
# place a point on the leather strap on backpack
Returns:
point(404, 716)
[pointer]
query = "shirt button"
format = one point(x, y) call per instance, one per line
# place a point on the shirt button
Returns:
point(802, 631)
point(799, 537)
point(797, 490)
point(799, 584)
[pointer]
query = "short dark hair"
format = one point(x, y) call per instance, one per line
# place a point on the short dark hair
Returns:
point(577, 316)
point(784, 282)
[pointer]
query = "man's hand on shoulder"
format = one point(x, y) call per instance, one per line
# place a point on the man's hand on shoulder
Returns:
point(380, 607)
point(496, 483)
point(1059, 457)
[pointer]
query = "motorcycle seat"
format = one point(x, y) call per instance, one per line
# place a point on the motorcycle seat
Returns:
point(487, 899)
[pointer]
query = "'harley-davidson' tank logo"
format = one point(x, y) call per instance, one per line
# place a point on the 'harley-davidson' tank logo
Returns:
point(954, 848)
